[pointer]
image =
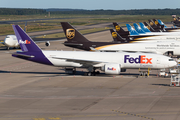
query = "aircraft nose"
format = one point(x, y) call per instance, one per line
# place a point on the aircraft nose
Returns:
point(174, 64)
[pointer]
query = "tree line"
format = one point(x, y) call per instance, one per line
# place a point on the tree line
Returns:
point(22, 11)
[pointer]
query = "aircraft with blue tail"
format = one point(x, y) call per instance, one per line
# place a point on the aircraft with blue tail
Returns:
point(142, 35)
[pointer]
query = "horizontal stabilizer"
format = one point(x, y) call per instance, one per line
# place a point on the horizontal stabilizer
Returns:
point(22, 55)
point(73, 44)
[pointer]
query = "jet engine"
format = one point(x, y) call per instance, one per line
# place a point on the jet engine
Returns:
point(47, 43)
point(112, 68)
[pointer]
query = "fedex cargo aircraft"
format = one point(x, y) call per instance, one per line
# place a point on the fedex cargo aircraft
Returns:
point(109, 62)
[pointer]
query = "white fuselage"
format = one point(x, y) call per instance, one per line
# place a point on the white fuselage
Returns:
point(156, 47)
point(11, 41)
point(99, 59)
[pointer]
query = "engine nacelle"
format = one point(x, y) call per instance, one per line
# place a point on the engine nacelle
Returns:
point(47, 43)
point(112, 68)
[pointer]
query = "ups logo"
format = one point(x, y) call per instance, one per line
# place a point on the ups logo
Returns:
point(151, 23)
point(114, 35)
point(117, 28)
point(148, 27)
point(174, 19)
point(70, 33)
point(156, 22)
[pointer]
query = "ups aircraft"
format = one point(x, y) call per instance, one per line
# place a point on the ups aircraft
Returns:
point(77, 40)
point(176, 21)
point(165, 28)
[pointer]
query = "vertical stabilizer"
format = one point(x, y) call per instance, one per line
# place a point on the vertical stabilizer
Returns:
point(144, 27)
point(25, 27)
point(25, 42)
point(131, 30)
point(72, 34)
point(138, 29)
point(116, 37)
point(121, 31)
point(149, 27)
point(118, 28)
point(160, 22)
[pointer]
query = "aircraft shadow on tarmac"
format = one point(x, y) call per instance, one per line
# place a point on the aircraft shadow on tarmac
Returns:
point(161, 84)
point(80, 73)
point(3, 48)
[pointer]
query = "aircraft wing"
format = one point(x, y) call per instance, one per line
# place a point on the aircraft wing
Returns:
point(45, 40)
point(81, 61)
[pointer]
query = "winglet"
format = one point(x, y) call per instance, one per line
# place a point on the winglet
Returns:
point(25, 42)
point(131, 30)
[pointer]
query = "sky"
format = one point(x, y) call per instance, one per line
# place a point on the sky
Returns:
point(92, 4)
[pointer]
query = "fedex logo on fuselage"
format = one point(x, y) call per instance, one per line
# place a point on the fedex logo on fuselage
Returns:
point(141, 59)
point(24, 42)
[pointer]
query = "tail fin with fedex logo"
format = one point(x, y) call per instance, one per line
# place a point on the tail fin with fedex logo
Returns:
point(25, 42)
point(30, 51)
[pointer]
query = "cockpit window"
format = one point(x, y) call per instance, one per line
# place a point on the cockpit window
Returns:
point(171, 59)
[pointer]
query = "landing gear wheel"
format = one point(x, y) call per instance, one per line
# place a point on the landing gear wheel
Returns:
point(146, 74)
point(97, 72)
point(89, 73)
point(93, 74)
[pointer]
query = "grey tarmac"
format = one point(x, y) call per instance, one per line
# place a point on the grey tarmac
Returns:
point(31, 91)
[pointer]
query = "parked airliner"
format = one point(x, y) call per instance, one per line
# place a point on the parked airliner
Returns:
point(110, 62)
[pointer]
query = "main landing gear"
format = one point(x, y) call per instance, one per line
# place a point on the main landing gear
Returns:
point(91, 72)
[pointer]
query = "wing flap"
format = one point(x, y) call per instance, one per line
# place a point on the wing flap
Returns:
point(81, 61)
